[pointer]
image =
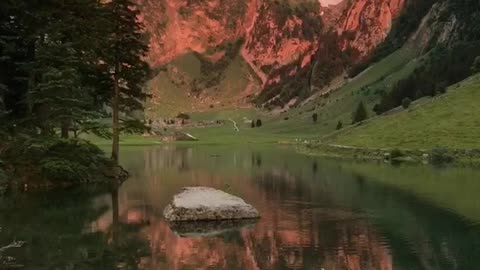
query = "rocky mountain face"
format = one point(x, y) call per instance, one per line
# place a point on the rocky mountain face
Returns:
point(366, 23)
point(279, 39)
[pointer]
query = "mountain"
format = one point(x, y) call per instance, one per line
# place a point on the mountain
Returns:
point(280, 55)
point(232, 52)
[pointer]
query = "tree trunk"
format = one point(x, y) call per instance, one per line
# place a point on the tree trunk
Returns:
point(75, 130)
point(115, 120)
point(115, 216)
point(65, 128)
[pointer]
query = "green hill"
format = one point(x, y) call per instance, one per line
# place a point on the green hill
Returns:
point(450, 120)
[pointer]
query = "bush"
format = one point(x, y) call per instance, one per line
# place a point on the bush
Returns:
point(476, 65)
point(396, 153)
point(406, 102)
point(62, 161)
point(253, 124)
point(259, 123)
point(441, 156)
point(315, 117)
point(339, 125)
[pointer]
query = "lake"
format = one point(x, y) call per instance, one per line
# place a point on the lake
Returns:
point(316, 214)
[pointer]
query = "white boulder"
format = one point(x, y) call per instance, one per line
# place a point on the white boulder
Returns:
point(204, 203)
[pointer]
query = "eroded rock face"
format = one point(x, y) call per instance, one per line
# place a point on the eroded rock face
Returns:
point(280, 41)
point(366, 23)
point(177, 27)
point(203, 204)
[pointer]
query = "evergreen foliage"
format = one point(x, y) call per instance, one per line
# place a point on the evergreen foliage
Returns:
point(443, 66)
point(62, 64)
point(124, 69)
point(360, 113)
point(51, 161)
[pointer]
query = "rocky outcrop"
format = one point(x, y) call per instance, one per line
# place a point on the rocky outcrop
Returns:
point(204, 204)
point(281, 36)
point(280, 39)
point(177, 27)
point(366, 23)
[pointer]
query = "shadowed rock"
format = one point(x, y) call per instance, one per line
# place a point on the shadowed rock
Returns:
point(207, 204)
point(210, 228)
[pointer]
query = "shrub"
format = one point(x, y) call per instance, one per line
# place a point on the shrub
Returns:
point(57, 161)
point(259, 123)
point(315, 117)
point(339, 125)
point(441, 87)
point(406, 102)
point(476, 65)
point(396, 153)
point(441, 156)
point(183, 116)
point(253, 124)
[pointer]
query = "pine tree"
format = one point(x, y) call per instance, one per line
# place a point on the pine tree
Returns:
point(315, 117)
point(49, 45)
point(13, 81)
point(125, 71)
point(360, 113)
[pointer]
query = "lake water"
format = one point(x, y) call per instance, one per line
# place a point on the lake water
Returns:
point(316, 214)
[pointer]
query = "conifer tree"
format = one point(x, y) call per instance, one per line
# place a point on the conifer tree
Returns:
point(125, 71)
point(360, 113)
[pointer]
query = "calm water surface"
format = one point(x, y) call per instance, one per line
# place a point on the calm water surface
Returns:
point(316, 214)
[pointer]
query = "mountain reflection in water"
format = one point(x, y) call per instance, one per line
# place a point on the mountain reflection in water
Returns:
point(316, 214)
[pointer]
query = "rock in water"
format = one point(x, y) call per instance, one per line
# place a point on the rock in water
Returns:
point(203, 203)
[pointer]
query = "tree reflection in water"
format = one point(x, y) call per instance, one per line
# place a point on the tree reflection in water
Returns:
point(315, 214)
point(62, 230)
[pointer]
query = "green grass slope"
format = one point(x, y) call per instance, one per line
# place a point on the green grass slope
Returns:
point(182, 86)
point(339, 105)
point(451, 120)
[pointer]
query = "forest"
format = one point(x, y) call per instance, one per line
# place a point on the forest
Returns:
point(67, 69)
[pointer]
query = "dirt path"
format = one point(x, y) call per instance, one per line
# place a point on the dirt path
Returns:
point(235, 126)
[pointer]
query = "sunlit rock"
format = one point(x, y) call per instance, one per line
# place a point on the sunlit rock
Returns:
point(203, 204)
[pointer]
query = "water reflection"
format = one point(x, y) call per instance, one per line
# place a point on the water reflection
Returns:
point(316, 214)
point(312, 218)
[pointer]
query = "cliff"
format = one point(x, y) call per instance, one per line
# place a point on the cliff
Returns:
point(279, 40)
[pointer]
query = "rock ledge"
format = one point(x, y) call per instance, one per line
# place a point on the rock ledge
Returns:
point(204, 203)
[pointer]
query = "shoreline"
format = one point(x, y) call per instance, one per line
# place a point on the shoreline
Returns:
point(464, 157)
